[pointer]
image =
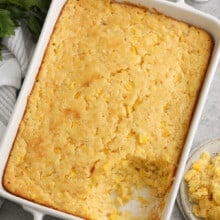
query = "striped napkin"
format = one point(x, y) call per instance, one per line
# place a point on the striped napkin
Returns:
point(209, 6)
point(16, 53)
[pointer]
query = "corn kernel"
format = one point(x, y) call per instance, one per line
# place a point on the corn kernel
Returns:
point(128, 110)
point(128, 86)
point(107, 166)
point(216, 196)
point(57, 150)
point(178, 78)
point(205, 156)
point(88, 98)
point(134, 50)
point(20, 158)
point(77, 95)
point(114, 216)
point(217, 172)
point(72, 173)
point(98, 92)
point(142, 139)
point(124, 162)
point(189, 175)
point(119, 201)
point(72, 85)
point(143, 200)
point(202, 191)
point(166, 133)
point(197, 166)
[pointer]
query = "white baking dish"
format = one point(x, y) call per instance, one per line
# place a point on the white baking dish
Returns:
point(178, 10)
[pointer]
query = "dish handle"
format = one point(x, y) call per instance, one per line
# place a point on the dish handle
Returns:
point(36, 214)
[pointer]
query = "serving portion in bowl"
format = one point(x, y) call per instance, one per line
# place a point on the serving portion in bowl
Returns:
point(107, 117)
point(199, 191)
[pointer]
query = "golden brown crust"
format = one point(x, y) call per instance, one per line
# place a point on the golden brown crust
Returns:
point(109, 111)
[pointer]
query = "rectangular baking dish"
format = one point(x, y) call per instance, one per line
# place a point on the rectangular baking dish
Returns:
point(178, 10)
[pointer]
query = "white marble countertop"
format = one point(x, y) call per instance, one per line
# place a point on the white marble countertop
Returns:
point(209, 128)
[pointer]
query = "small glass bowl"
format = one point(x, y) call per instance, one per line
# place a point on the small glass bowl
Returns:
point(185, 206)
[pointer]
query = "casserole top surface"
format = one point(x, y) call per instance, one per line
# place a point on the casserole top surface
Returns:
point(109, 112)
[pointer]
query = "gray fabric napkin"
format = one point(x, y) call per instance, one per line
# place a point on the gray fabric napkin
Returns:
point(16, 54)
point(211, 6)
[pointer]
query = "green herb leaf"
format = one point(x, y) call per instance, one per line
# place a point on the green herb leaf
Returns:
point(16, 12)
point(0, 49)
point(6, 24)
point(43, 5)
point(21, 3)
point(34, 26)
point(3, 1)
point(30, 12)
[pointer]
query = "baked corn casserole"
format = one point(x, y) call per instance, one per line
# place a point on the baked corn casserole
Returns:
point(106, 120)
point(203, 180)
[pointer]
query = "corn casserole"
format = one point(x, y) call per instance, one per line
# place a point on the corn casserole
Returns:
point(109, 112)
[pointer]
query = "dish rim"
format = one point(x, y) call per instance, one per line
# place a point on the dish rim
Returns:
point(175, 7)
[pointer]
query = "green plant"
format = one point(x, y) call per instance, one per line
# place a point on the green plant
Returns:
point(29, 12)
